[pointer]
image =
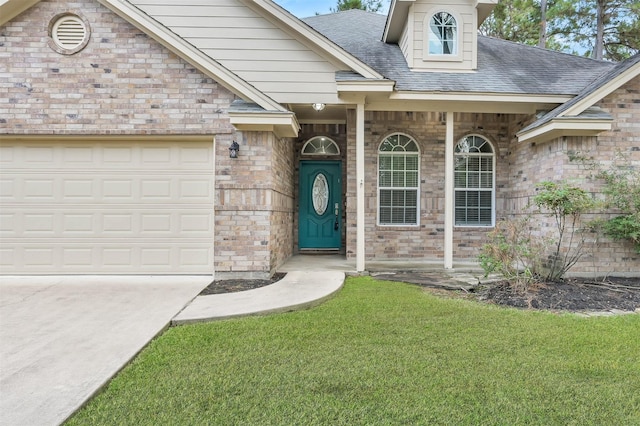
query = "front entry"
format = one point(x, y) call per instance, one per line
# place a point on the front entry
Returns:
point(320, 216)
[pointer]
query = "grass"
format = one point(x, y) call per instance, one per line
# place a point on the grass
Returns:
point(383, 353)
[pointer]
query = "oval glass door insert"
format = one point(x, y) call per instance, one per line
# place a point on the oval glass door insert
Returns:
point(320, 194)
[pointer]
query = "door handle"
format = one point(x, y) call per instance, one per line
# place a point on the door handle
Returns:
point(336, 225)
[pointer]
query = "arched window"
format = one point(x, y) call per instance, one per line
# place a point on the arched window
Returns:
point(398, 180)
point(320, 145)
point(443, 34)
point(474, 182)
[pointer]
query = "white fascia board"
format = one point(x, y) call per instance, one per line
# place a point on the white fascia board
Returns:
point(484, 8)
point(9, 9)
point(479, 97)
point(282, 124)
point(603, 91)
point(191, 54)
point(396, 20)
point(385, 86)
point(321, 42)
point(565, 127)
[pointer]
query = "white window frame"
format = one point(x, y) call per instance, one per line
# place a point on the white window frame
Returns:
point(457, 56)
point(493, 181)
point(322, 139)
point(417, 188)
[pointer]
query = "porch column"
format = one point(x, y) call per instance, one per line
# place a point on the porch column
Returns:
point(360, 246)
point(448, 193)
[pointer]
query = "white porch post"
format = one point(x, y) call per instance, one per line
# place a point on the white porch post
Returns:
point(360, 241)
point(448, 193)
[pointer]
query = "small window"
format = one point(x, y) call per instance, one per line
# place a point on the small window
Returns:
point(69, 33)
point(474, 182)
point(443, 34)
point(398, 180)
point(320, 145)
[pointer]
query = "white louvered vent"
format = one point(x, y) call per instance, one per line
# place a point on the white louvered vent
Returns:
point(69, 32)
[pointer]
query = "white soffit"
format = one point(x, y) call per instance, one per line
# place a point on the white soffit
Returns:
point(559, 127)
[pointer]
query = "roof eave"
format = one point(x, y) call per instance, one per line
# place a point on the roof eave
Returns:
point(283, 125)
point(369, 86)
point(606, 89)
point(398, 13)
point(9, 9)
point(559, 127)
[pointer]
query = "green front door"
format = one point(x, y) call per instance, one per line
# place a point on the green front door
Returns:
point(320, 217)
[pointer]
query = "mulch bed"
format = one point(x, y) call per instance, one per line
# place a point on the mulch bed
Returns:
point(577, 295)
point(574, 294)
point(236, 285)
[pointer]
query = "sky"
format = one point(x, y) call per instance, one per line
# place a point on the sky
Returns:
point(306, 8)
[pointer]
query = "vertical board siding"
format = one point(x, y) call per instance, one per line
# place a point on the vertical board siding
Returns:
point(250, 46)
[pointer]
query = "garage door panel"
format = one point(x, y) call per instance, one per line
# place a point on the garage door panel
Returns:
point(144, 207)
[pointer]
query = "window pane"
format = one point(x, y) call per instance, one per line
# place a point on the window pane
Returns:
point(385, 162)
point(385, 178)
point(398, 162)
point(412, 162)
point(412, 179)
point(473, 180)
point(485, 199)
point(385, 198)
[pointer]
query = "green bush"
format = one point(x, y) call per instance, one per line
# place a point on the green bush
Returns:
point(565, 203)
point(513, 252)
point(622, 191)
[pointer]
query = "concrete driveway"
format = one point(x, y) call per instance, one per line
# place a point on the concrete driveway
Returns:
point(63, 338)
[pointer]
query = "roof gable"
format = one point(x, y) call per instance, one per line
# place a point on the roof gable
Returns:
point(580, 107)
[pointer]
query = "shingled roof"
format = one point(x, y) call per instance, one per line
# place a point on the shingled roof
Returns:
point(587, 91)
point(503, 66)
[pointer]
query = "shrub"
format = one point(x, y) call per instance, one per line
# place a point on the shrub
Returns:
point(513, 252)
point(622, 191)
point(565, 203)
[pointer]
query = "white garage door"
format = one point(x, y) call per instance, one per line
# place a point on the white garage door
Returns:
point(106, 207)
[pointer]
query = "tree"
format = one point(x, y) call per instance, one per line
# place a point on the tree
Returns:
point(368, 5)
point(602, 29)
point(605, 29)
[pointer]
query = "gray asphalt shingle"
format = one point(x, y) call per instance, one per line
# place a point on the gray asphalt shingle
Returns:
point(503, 66)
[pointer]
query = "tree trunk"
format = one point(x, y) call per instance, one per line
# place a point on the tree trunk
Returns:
point(599, 47)
point(542, 40)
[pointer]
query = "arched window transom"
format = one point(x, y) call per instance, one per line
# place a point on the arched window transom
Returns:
point(398, 180)
point(443, 34)
point(474, 182)
point(320, 145)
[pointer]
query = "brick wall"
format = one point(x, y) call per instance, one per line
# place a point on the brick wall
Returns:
point(254, 205)
point(536, 162)
point(122, 82)
point(425, 241)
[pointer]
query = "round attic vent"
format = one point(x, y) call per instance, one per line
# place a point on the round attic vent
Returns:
point(69, 33)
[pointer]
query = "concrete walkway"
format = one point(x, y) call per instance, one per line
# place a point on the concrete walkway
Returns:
point(297, 290)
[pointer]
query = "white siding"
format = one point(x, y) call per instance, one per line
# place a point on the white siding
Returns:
point(251, 46)
point(465, 12)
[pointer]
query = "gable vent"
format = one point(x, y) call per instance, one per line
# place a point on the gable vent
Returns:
point(69, 32)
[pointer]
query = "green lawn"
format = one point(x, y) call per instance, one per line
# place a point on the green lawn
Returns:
point(383, 353)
